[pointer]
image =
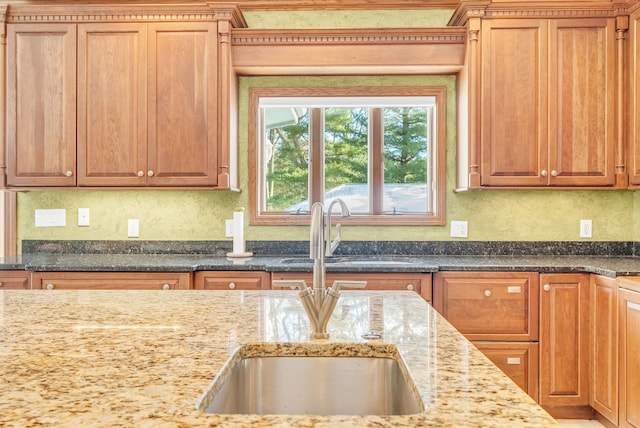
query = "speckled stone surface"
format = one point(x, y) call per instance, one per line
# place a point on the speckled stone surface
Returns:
point(143, 358)
point(608, 266)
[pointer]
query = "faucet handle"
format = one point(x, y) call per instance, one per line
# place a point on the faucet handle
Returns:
point(290, 283)
point(340, 283)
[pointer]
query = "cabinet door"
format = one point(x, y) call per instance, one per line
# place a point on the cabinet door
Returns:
point(418, 282)
point(182, 104)
point(111, 281)
point(629, 358)
point(604, 346)
point(564, 340)
point(225, 280)
point(581, 107)
point(513, 112)
point(112, 105)
point(518, 360)
point(489, 305)
point(14, 280)
point(634, 99)
point(41, 104)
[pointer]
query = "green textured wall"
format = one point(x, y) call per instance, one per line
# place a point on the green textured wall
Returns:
point(200, 215)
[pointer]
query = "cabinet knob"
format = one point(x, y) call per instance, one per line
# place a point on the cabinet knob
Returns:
point(150, 173)
point(554, 173)
point(1, 284)
point(141, 173)
point(410, 287)
point(487, 293)
point(543, 173)
point(232, 285)
point(50, 286)
point(546, 287)
point(166, 287)
point(69, 173)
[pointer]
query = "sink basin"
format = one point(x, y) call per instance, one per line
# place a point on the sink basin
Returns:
point(307, 378)
point(353, 260)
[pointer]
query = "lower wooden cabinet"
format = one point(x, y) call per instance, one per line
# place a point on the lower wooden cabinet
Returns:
point(603, 347)
point(629, 380)
point(564, 345)
point(111, 280)
point(498, 312)
point(14, 279)
point(418, 282)
point(518, 360)
point(232, 280)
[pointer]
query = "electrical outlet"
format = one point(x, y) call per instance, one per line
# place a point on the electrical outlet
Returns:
point(229, 228)
point(459, 229)
point(133, 228)
point(586, 230)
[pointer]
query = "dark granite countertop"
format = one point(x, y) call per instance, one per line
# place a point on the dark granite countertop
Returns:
point(608, 266)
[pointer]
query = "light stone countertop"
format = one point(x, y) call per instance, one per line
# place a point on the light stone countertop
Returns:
point(143, 358)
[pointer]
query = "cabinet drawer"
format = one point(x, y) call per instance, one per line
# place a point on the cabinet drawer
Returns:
point(488, 305)
point(111, 281)
point(14, 280)
point(418, 282)
point(518, 360)
point(232, 281)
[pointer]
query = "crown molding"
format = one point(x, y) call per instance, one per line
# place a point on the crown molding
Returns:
point(70, 13)
point(364, 36)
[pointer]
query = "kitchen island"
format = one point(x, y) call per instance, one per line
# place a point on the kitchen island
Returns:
point(143, 358)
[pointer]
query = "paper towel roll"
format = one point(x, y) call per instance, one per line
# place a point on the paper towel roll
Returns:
point(238, 231)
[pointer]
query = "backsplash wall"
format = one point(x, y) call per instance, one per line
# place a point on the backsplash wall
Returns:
point(541, 215)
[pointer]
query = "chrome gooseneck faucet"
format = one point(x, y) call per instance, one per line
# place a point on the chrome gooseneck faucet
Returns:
point(320, 301)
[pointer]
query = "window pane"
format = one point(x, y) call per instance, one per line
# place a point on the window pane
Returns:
point(406, 159)
point(286, 159)
point(346, 156)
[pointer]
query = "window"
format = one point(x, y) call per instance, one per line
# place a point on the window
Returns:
point(381, 150)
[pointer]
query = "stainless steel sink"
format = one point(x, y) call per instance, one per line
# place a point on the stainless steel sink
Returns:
point(363, 382)
point(353, 260)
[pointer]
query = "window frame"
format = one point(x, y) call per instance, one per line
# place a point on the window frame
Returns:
point(436, 217)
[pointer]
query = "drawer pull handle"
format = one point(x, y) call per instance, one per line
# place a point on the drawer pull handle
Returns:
point(513, 360)
point(50, 286)
point(514, 289)
point(546, 287)
point(166, 287)
point(487, 293)
point(410, 287)
point(232, 285)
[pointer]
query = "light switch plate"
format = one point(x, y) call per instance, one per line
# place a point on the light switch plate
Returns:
point(459, 229)
point(51, 218)
point(133, 228)
point(83, 217)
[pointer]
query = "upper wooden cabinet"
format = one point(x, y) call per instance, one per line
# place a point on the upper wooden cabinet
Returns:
point(41, 105)
point(547, 103)
point(634, 98)
point(540, 98)
point(150, 89)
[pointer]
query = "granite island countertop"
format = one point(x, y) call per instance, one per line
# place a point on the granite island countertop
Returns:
point(142, 358)
point(601, 265)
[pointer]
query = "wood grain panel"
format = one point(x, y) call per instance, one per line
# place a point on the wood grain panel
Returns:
point(182, 104)
point(513, 102)
point(582, 107)
point(41, 104)
point(564, 340)
point(112, 104)
point(604, 346)
point(629, 359)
